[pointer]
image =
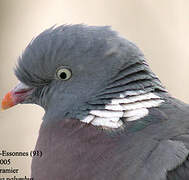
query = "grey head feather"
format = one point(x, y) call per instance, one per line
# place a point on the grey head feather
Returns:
point(103, 65)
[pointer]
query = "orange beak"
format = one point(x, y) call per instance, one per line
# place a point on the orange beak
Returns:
point(16, 96)
point(8, 101)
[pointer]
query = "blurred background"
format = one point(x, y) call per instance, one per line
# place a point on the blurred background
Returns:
point(159, 28)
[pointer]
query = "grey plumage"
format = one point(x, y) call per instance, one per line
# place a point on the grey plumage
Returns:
point(96, 55)
point(104, 66)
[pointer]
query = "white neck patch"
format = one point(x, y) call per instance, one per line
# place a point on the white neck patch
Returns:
point(131, 108)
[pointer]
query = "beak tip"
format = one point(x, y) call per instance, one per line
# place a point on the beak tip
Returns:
point(2, 108)
point(7, 101)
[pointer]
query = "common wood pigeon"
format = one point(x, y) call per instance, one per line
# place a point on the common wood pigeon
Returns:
point(107, 115)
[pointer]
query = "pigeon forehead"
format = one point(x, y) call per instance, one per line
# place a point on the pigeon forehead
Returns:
point(79, 46)
point(69, 42)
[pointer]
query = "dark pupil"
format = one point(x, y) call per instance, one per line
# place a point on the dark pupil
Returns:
point(63, 75)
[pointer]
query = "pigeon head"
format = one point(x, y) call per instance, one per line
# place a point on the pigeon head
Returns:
point(73, 70)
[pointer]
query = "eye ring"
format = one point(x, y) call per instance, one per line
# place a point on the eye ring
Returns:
point(63, 73)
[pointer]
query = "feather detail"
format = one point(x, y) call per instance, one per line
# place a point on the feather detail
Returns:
point(107, 122)
point(88, 119)
point(131, 105)
point(106, 114)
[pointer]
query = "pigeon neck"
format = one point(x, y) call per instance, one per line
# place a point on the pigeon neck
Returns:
point(128, 96)
point(130, 106)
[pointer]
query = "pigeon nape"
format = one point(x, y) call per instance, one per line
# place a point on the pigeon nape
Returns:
point(107, 115)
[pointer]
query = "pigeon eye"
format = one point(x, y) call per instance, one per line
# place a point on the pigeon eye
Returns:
point(63, 73)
